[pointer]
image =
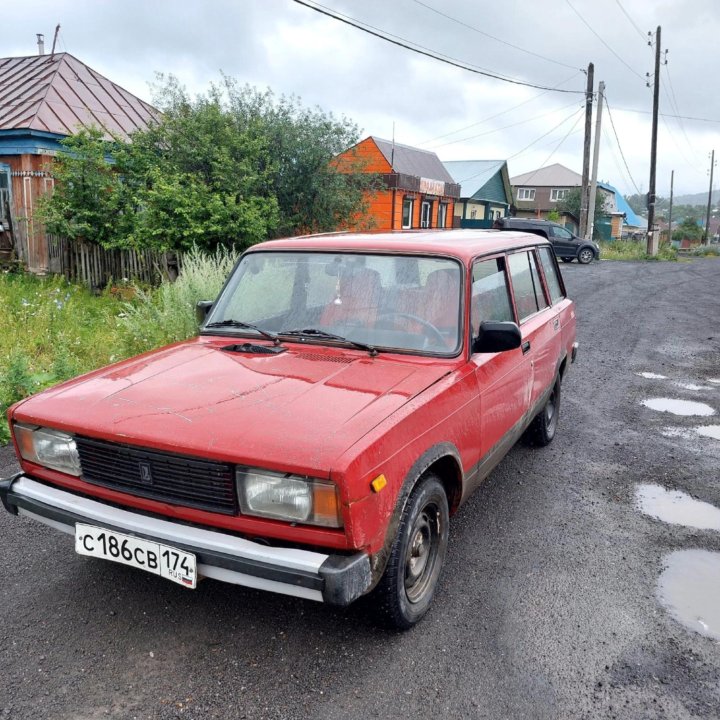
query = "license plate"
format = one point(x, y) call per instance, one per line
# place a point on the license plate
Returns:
point(168, 562)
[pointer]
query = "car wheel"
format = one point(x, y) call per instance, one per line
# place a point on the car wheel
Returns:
point(585, 256)
point(544, 426)
point(567, 259)
point(406, 589)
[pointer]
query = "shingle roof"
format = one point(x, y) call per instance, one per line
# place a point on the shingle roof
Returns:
point(555, 175)
point(413, 161)
point(473, 174)
point(58, 93)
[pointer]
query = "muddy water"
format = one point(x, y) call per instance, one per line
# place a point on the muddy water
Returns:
point(676, 507)
point(689, 589)
point(679, 407)
point(711, 431)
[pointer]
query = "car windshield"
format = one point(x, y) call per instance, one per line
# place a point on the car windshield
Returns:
point(394, 302)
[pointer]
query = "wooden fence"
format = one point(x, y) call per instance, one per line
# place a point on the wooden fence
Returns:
point(96, 267)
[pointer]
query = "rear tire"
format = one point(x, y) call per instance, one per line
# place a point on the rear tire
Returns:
point(542, 429)
point(406, 589)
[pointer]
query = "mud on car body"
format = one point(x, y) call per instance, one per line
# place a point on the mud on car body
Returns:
point(344, 397)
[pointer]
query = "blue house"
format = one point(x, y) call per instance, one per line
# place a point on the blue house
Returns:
point(485, 192)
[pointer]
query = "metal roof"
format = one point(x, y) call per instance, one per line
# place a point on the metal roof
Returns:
point(631, 218)
point(59, 94)
point(473, 175)
point(555, 175)
point(413, 161)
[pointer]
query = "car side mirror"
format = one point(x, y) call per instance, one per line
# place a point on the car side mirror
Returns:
point(496, 337)
point(202, 309)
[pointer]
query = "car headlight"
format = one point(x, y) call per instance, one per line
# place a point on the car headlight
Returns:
point(287, 497)
point(51, 448)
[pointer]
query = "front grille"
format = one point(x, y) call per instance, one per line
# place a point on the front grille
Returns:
point(177, 479)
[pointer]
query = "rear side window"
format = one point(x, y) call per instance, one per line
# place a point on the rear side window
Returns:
point(529, 294)
point(551, 275)
point(490, 295)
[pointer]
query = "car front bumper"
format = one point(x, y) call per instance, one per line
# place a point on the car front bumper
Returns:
point(334, 579)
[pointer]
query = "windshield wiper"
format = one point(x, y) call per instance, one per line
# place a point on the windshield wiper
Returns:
point(246, 326)
point(315, 332)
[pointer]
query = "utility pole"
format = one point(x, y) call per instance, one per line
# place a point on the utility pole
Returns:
point(651, 247)
point(596, 156)
point(672, 182)
point(707, 217)
point(586, 152)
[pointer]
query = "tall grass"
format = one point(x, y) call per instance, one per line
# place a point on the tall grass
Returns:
point(634, 250)
point(167, 314)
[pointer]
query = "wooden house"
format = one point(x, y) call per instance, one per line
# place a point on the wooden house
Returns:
point(485, 195)
point(416, 191)
point(43, 99)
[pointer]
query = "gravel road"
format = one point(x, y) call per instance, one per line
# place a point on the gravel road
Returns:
point(548, 607)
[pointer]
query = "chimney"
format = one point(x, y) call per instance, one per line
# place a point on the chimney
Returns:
point(41, 43)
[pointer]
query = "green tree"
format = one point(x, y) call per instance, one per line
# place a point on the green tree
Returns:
point(571, 203)
point(688, 229)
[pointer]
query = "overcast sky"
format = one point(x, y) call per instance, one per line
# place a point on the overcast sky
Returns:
point(459, 115)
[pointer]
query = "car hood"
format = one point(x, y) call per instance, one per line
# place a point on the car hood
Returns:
point(297, 410)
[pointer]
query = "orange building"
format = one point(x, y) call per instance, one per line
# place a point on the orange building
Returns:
point(416, 189)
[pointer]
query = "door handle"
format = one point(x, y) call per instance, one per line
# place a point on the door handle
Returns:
point(525, 346)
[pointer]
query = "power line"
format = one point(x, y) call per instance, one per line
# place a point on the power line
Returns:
point(668, 115)
point(592, 30)
point(492, 117)
point(492, 37)
point(420, 50)
point(674, 103)
point(617, 139)
point(632, 22)
point(505, 127)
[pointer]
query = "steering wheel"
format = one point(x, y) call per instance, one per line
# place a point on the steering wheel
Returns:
point(427, 325)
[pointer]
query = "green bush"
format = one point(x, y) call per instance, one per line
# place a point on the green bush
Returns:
point(167, 314)
point(634, 250)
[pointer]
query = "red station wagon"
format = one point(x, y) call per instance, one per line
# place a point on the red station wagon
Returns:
point(344, 397)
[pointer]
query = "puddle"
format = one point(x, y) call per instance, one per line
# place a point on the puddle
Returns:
point(652, 376)
point(676, 507)
point(714, 380)
point(676, 432)
point(679, 407)
point(689, 589)
point(711, 431)
point(690, 386)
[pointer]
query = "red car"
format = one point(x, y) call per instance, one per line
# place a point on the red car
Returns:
point(345, 395)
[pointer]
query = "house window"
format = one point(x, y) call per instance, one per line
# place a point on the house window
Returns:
point(407, 213)
point(558, 194)
point(426, 214)
point(526, 194)
point(442, 215)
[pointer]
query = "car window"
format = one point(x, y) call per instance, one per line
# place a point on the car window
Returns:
point(547, 260)
point(559, 232)
point(529, 294)
point(490, 295)
point(400, 302)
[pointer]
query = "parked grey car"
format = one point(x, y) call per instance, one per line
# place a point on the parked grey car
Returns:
point(567, 245)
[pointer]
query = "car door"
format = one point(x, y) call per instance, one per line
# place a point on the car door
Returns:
point(538, 321)
point(563, 242)
point(504, 378)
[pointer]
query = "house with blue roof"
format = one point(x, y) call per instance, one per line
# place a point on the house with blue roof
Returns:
point(485, 192)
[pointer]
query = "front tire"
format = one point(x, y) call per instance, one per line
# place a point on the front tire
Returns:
point(567, 259)
point(406, 589)
point(542, 429)
point(585, 256)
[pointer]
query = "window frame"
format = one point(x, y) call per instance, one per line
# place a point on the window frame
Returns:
point(556, 196)
point(411, 202)
point(530, 194)
point(530, 251)
point(508, 286)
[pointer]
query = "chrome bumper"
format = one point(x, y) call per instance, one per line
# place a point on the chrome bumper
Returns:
point(334, 579)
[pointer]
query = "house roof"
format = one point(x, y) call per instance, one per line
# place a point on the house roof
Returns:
point(413, 161)
point(555, 175)
point(622, 206)
point(58, 93)
point(472, 174)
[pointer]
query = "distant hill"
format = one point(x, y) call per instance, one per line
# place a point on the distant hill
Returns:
point(696, 199)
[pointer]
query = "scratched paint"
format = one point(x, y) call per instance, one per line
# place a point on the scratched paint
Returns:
point(676, 507)
point(689, 590)
point(685, 408)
